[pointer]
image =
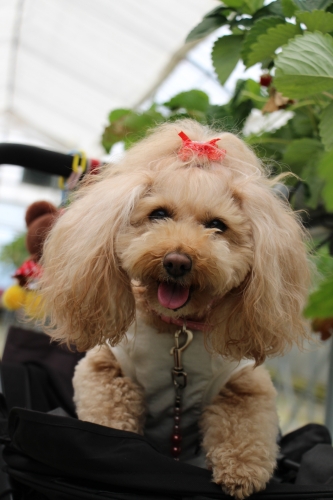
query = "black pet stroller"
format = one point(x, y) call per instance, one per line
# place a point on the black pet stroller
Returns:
point(49, 454)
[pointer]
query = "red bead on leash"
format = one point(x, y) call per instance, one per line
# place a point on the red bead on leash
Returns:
point(207, 149)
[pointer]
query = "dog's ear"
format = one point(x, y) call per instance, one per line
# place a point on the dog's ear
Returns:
point(87, 296)
point(264, 315)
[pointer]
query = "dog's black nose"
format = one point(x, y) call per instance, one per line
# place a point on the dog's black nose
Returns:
point(177, 264)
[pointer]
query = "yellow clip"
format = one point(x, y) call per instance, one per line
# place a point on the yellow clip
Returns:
point(61, 183)
point(79, 162)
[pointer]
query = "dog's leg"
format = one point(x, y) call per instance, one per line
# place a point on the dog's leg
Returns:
point(103, 396)
point(240, 431)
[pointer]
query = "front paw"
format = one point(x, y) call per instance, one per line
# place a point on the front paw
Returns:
point(240, 478)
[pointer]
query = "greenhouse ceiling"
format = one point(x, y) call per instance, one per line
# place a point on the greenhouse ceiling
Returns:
point(64, 64)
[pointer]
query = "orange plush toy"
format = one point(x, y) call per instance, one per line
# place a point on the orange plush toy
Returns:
point(40, 217)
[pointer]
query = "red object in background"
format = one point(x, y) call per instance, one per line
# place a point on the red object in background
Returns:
point(94, 166)
point(323, 326)
point(29, 269)
point(266, 80)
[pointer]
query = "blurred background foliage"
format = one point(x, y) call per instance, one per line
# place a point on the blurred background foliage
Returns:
point(15, 253)
point(292, 40)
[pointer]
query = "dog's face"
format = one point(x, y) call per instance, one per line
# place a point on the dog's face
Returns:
point(206, 239)
point(188, 243)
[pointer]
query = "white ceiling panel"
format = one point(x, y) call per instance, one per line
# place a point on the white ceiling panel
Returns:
point(64, 64)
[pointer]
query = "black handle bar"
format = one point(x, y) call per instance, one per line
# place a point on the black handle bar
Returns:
point(43, 160)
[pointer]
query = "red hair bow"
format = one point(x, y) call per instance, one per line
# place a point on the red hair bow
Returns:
point(208, 149)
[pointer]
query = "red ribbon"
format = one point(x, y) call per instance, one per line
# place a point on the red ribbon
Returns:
point(208, 149)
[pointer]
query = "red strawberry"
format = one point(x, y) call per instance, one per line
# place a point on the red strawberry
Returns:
point(265, 80)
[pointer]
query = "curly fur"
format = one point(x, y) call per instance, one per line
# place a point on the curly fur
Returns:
point(104, 260)
point(117, 402)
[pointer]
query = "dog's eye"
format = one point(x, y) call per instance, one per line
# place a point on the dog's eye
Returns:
point(159, 214)
point(216, 224)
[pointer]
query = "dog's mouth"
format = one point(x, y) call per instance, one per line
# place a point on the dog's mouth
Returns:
point(172, 295)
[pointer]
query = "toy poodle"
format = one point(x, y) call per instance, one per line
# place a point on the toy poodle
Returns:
point(179, 270)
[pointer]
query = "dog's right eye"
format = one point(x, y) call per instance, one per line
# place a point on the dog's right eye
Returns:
point(159, 214)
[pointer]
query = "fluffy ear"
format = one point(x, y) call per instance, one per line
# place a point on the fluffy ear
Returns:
point(264, 316)
point(87, 296)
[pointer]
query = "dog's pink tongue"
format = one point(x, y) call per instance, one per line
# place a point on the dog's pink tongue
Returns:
point(171, 295)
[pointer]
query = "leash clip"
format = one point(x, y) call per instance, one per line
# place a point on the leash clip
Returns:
point(179, 376)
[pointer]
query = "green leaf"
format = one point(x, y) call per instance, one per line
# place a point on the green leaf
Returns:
point(320, 303)
point(259, 28)
point(302, 123)
point(116, 114)
point(138, 123)
point(216, 11)
point(275, 144)
point(317, 20)
point(253, 6)
point(225, 55)
point(325, 167)
point(253, 86)
point(241, 104)
point(310, 5)
point(234, 4)
point(128, 126)
point(288, 7)
point(221, 117)
point(326, 127)
point(305, 66)
point(192, 100)
point(253, 92)
point(298, 153)
point(248, 90)
point(15, 252)
point(314, 183)
point(235, 30)
point(324, 262)
point(268, 43)
point(276, 8)
point(208, 25)
point(272, 9)
point(325, 170)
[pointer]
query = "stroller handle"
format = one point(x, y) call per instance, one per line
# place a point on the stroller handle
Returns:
point(43, 160)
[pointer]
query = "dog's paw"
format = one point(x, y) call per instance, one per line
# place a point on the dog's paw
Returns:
point(238, 485)
point(240, 478)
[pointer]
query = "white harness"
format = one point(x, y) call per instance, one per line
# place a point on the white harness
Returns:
point(144, 357)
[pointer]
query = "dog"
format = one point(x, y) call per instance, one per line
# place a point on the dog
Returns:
point(180, 270)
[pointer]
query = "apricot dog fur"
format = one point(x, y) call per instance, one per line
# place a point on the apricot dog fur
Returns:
point(158, 239)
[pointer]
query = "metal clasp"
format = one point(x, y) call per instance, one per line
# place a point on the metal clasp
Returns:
point(179, 376)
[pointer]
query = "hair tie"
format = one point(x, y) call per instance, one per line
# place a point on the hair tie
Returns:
point(208, 149)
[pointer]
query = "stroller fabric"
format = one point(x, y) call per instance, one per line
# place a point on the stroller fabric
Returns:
point(54, 457)
point(49, 456)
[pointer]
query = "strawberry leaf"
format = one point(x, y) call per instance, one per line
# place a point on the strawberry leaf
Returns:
point(305, 66)
point(269, 42)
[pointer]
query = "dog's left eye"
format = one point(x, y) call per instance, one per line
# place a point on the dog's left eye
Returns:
point(216, 224)
point(159, 214)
